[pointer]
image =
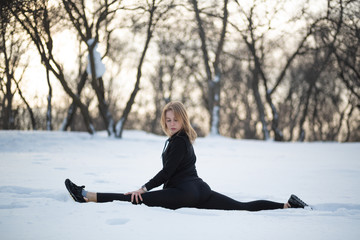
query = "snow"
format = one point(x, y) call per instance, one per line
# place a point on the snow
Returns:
point(34, 203)
point(99, 65)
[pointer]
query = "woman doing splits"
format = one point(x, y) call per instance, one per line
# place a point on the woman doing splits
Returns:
point(182, 186)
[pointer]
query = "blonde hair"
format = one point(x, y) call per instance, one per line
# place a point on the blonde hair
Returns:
point(181, 114)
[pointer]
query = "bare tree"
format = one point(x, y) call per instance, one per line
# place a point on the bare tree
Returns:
point(213, 76)
point(33, 16)
point(156, 11)
point(238, 107)
point(88, 28)
point(254, 40)
point(169, 70)
point(163, 91)
point(12, 48)
point(73, 107)
point(31, 113)
point(6, 79)
point(321, 61)
point(347, 52)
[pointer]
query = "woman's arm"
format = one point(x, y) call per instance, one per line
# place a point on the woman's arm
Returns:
point(174, 155)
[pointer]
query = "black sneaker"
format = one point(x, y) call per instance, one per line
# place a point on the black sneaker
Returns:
point(296, 202)
point(75, 191)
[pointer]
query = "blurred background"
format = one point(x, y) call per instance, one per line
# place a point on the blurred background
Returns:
point(255, 69)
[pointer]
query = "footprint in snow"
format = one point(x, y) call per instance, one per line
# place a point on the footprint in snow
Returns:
point(117, 221)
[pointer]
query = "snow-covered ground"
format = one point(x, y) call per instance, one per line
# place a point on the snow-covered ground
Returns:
point(34, 203)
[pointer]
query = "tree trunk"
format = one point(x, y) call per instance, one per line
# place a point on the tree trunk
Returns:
point(73, 107)
point(259, 104)
point(97, 84)
point(214, 88)
point(32, 118)
point(121, 123)
point(275, 119)
point(302, 136)
point(206, 60)
point(8, 120)
point(48, 112)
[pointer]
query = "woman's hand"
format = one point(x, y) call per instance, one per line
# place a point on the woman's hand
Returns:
point(136, 194)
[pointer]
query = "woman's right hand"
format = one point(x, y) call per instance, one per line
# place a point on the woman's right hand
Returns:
point(136, 195)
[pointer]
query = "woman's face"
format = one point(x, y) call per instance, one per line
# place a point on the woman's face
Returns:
point(173, 124)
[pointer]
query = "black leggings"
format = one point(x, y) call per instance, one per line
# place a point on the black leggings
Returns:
point(193, 194)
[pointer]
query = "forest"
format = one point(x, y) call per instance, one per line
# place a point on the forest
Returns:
point(282, 70)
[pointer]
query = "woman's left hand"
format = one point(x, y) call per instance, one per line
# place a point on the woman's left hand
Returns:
point(137, 195)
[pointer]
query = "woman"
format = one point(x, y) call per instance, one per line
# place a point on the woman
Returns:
point(181, 185)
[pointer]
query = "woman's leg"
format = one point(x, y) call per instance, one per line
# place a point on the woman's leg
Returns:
point(184, 195)
point(171, 198)
point(90, 196)
point(190, 194)
point(222, 202)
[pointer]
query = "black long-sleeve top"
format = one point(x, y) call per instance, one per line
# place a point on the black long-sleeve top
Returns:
point(178, 160)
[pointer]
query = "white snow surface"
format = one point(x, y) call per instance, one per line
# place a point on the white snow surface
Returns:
point(34, 203)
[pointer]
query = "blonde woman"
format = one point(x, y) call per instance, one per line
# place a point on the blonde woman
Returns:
point(182, 186)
